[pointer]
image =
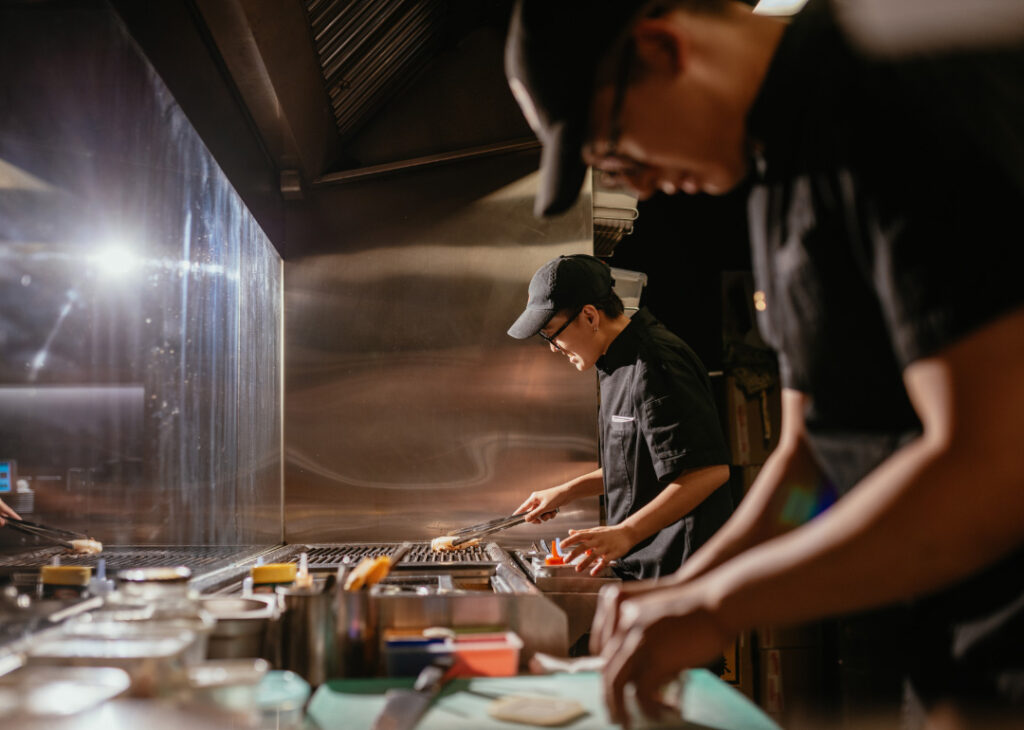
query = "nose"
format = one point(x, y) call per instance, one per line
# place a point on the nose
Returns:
point(553, 347)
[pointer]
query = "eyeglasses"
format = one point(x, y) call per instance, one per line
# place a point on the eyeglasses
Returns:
point(550, 339)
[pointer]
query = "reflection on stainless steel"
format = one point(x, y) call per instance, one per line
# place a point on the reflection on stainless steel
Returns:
point(35, 692)
point(409, 411)
point(154, 656)
point(140, 303)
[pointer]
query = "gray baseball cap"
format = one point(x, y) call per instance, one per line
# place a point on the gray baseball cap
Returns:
point(566, 282)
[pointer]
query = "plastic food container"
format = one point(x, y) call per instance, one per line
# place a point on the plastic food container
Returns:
point(281, 698)
point(267, 577)
point(494, 654)
point(486, 655)
point(64, 581)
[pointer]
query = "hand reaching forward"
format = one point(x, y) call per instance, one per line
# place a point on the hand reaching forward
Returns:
point(598, 546)
point(658, 634)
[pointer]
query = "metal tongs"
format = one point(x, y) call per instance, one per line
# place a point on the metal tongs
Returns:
point(474, 532)
point(373, 570)
point(52, 534)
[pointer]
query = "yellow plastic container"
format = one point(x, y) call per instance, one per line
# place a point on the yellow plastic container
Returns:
point(265, 578)
point(64, 581)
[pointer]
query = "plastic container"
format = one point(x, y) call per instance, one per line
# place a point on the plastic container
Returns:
point(281, 698)
point(629, 285)
point(266, 578)
point(406, 653)
point(486, 655)
point(64, 581)
point(475, 655)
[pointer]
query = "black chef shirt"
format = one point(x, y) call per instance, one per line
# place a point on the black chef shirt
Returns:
point(657, 419)
point(882, 230)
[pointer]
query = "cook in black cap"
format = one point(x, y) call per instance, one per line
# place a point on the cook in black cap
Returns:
point(661, 443)
point(885, 197)
point(590, 78)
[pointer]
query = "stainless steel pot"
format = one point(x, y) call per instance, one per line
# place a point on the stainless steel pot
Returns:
point(307, 631)
point(242, 625)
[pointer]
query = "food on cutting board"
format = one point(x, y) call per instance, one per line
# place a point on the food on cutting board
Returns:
point(444, 544)
point(87, 546)
point(542, 711)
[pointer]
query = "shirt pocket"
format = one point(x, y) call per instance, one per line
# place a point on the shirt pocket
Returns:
point(621, 447)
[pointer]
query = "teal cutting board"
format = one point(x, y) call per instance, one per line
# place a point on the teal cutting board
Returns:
point(708, 703)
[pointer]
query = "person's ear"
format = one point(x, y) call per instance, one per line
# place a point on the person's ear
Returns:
point(591, 317)
point(662, 45)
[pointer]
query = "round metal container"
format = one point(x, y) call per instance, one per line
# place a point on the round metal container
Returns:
point(241, 625)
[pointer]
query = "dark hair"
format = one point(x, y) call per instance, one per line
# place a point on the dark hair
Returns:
point(610, 305)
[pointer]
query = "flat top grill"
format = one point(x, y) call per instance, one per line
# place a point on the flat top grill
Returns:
point(420, 555)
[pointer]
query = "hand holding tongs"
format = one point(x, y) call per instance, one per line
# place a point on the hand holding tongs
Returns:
point(475, 532)
point(52, 534)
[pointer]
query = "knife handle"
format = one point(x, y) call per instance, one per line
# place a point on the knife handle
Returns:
point(432, 676)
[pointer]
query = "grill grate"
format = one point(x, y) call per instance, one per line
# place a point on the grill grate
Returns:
point(331, 556)
point(198, 558)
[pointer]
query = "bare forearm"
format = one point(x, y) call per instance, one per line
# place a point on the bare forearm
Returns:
point(759, 516)
point(905, 530)
point(675, 501)
point(586, 485)
point(937, 511)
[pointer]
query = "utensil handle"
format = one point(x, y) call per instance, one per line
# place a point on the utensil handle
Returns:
point(35, 532)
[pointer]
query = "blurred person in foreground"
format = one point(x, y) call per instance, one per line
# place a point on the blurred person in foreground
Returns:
point(882, 228)
point(664, 459)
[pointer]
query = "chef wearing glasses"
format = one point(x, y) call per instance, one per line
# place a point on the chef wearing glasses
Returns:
point(664, 459)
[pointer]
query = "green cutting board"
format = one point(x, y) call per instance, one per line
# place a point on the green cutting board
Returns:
point(708, 703)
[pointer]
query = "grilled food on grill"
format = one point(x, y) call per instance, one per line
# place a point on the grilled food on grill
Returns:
point(443, 544)
point(87, 546)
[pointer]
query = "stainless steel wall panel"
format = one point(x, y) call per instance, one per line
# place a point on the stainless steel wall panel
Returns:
point(140, 321)
point(408, 409)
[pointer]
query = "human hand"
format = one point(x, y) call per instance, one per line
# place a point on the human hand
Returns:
point(6, 511)
point(658, 634)
point(598, 546)
point(541, 505)
point(609, 600)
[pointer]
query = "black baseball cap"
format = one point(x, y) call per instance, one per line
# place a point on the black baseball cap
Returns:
point(552, 53)
point(567, 282)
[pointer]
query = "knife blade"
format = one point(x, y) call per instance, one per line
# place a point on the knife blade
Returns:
point(404, 708)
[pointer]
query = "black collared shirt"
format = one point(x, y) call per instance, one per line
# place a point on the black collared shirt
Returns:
point(883, 228)
point(657, 419)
